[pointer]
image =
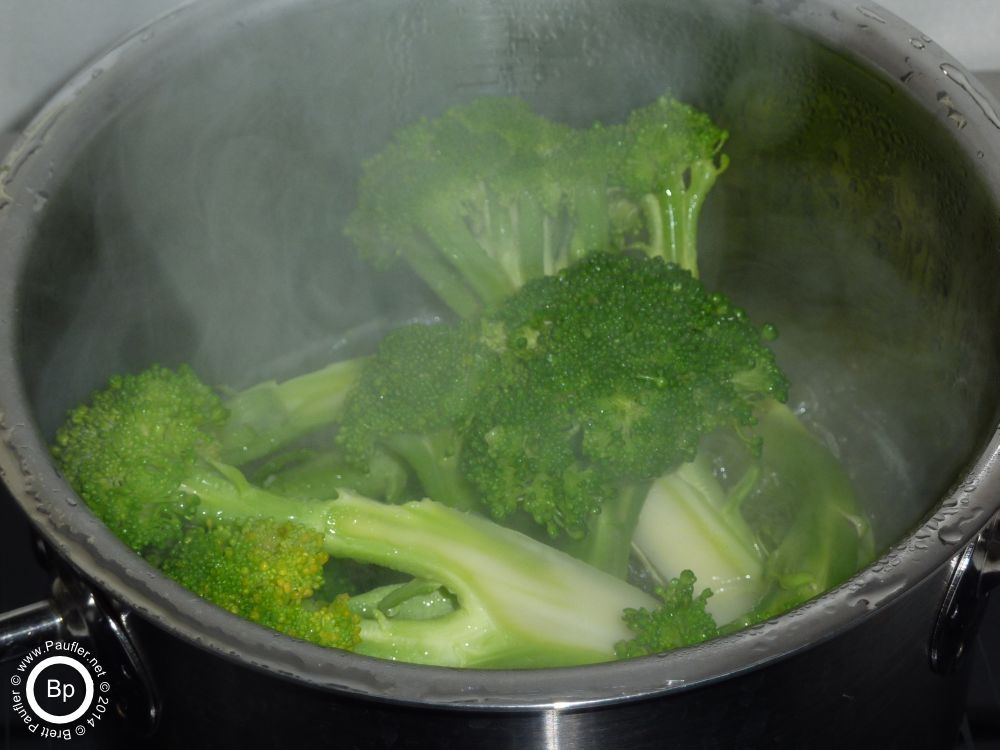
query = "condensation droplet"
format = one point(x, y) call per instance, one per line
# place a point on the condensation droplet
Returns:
point(962, 81)
point(949, 536)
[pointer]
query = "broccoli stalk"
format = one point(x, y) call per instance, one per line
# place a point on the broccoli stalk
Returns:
point(270, 415)
point(672, 159)
point(519, 602)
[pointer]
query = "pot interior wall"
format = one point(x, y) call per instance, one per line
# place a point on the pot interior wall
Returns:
point(194, 203)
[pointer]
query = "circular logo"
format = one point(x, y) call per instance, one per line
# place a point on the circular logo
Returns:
point(68, 690)
point(60, 690)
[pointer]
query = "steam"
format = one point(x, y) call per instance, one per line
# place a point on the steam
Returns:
point(203, 222)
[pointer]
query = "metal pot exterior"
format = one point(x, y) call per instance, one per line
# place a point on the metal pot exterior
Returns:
point(869, 687)
point(107, 210)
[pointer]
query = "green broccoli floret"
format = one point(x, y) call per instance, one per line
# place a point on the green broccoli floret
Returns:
point(266, 571)
point(567, 399)
point(137, 420)
point(616, 367)
point(414, 399)
point(490, 195)
point(144, 453)
point(680, 620)
point(672, 157)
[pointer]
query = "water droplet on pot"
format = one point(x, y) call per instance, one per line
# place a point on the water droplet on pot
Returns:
point(917, 43)
point(949, 536)
point(962, 81)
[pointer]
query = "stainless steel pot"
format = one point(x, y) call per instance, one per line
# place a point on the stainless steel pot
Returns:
point(180, 200)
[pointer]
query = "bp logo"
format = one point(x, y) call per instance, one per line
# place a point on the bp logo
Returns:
point(60, 690)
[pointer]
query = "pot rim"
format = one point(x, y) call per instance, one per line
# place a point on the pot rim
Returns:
point(877, 39)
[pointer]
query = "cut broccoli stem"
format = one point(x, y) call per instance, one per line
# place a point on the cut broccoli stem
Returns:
point(607, 544)
point(434, 458)
point(270, 415)
point(685, 524)
point(520, 602)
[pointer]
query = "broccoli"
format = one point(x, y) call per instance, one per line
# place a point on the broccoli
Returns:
point(680, 619)
point(144, 454)
point(493, 490)
point(573, 394)
point(490, 195)
point(265, 570)
point(592, 404)
point(131, 443)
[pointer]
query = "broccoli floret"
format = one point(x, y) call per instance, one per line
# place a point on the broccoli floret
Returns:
point(144, 457)
point(576, 391)
point(112, 451)
point(672, 157)
point(680, 619)
point(266, 571)
point(414, 399)
point(490, 195)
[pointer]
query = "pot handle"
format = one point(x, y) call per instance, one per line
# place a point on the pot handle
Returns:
point(976, 572)
point(76, 613)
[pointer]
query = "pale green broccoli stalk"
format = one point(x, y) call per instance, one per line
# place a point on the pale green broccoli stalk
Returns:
point(269, 415)
point(689, 522)
point(520, 603)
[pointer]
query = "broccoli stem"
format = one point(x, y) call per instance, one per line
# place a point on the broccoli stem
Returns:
point(590, 222)
point(673, 210)
point(434, 458)
point(500, 239)
point(269, 415)
point(462, 248)
point(440, 276)
point(520, 602)
point(830, 538)
point(607, 544)
point(323, 474)
point(534, 238)
point(687, 523)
